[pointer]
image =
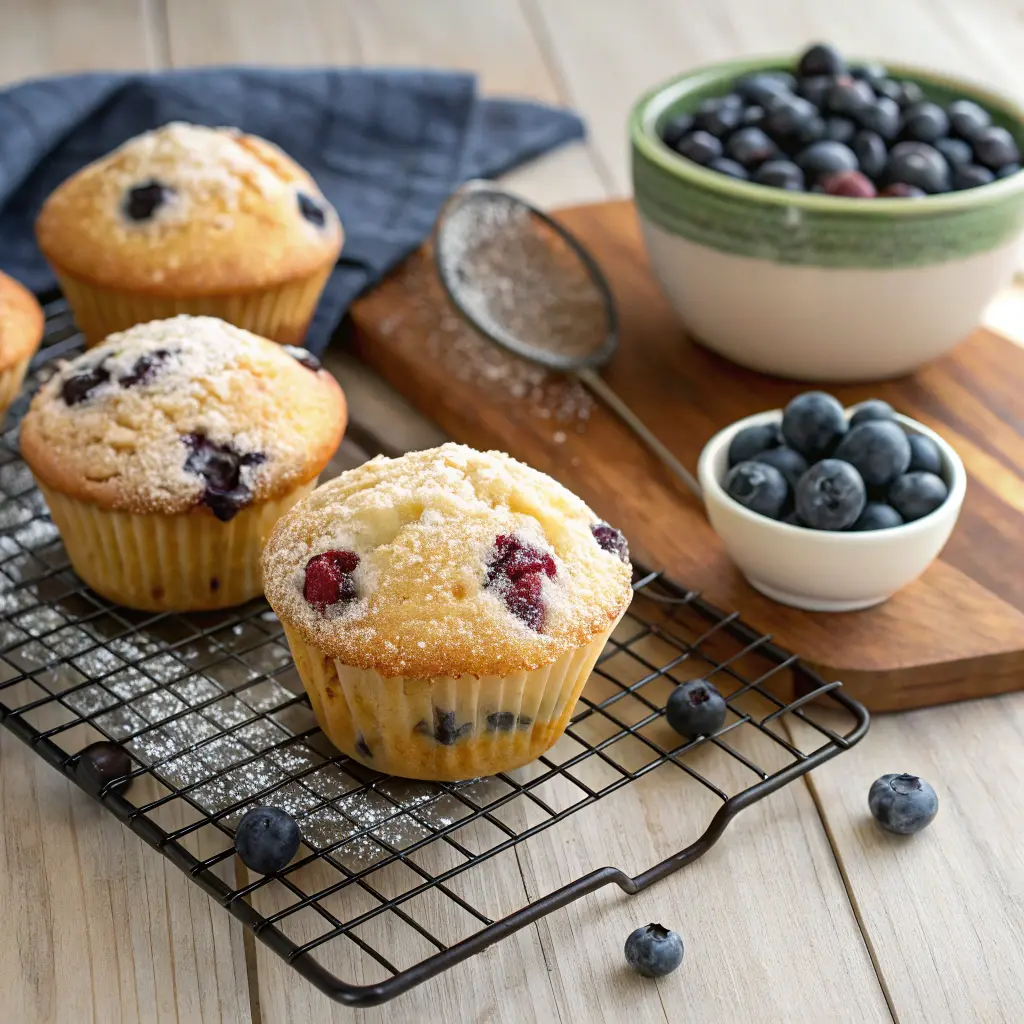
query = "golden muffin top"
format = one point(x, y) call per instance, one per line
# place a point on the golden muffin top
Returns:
point(184, 413)
point(445, 563)
point(190, 210)
point(21, 322)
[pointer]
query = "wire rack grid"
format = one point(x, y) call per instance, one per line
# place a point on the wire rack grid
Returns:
point(213, 715)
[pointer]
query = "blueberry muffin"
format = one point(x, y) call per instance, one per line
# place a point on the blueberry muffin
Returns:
point(21, 330)
point(187, 219)
point(445, 609)
point(167, 453)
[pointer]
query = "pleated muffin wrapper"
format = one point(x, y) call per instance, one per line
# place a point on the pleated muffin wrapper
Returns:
point(444, 728)
point(157, 562)
point(281, 312)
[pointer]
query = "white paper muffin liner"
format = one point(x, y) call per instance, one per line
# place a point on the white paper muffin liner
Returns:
point(156, 562)
point(444, 728)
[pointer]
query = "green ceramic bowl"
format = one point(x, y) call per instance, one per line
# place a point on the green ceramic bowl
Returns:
point(818, 287)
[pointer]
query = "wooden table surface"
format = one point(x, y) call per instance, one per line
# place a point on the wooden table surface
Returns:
point(805, 911)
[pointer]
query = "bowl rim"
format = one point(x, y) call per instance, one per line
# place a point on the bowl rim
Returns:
point(952, 463)
point(652, 104)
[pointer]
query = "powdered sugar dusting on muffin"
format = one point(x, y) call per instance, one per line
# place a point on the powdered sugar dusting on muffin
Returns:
point(469, 562)
point(177, 412)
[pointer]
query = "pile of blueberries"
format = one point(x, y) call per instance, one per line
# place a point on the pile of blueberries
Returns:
point(819, 470)
point(844, 131)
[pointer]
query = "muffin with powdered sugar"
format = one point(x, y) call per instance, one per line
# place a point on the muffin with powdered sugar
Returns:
point(167, 453)
point(445, 608)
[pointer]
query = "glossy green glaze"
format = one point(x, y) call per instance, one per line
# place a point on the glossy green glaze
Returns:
point(810, 229)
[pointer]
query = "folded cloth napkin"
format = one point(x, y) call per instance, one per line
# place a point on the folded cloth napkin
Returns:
point(387, 147)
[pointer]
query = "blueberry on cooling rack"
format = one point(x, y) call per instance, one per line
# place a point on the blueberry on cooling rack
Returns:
point(266, 839)
point(696, 708)
point(102, 763)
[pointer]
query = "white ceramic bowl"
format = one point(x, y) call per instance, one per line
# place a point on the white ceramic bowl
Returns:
point(818, 570)
point(818, 287)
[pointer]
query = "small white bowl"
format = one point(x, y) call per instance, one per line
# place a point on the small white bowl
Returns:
point(818, 570)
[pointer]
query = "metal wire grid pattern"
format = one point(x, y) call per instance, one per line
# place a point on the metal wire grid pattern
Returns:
point(212, 712)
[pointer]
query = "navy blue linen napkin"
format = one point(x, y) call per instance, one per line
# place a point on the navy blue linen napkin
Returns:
point(387, 147)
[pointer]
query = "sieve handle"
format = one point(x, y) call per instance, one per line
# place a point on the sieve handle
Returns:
point(593, 381)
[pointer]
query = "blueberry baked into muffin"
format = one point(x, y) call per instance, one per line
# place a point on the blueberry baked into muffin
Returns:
point(187, 219)
point(167, 453)
point(444, 609)
point(21, 331)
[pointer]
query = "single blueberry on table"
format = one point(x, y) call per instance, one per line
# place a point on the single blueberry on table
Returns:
point(266, 839)
point(877, 516)
point(882, 117)
point(675, 128)
point(903, 804)
point(751, 440)
point(695, 708)
point(750, 147)
point(830, 495)
point(654, 951)
point(821, 59)
point(995, 147)
point(102, 763)
point(813, 423)
point(826, 157)
point(925, 456)
point(917, 494)
point(917, 163)
point(956, 151)
point(701, 147)
point(759, 487)
point(729, 168)
point(878, 450)
point(311, 210)
point(966, 118)
point(782, 174)
point(872, 409)
point(924, 122)
point(791, 464)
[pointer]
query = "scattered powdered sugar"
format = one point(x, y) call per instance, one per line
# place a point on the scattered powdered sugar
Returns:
point(426, 324)
point(518, 277)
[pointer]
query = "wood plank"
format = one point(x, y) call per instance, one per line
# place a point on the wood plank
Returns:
point(259, 32)
point(101, 928)
point(495, 41)
point(941, 910)
point(48, 37)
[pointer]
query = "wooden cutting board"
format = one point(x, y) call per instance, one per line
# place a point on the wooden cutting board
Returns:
point(956, 633)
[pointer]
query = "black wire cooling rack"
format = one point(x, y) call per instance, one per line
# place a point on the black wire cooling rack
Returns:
point(215, 719)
